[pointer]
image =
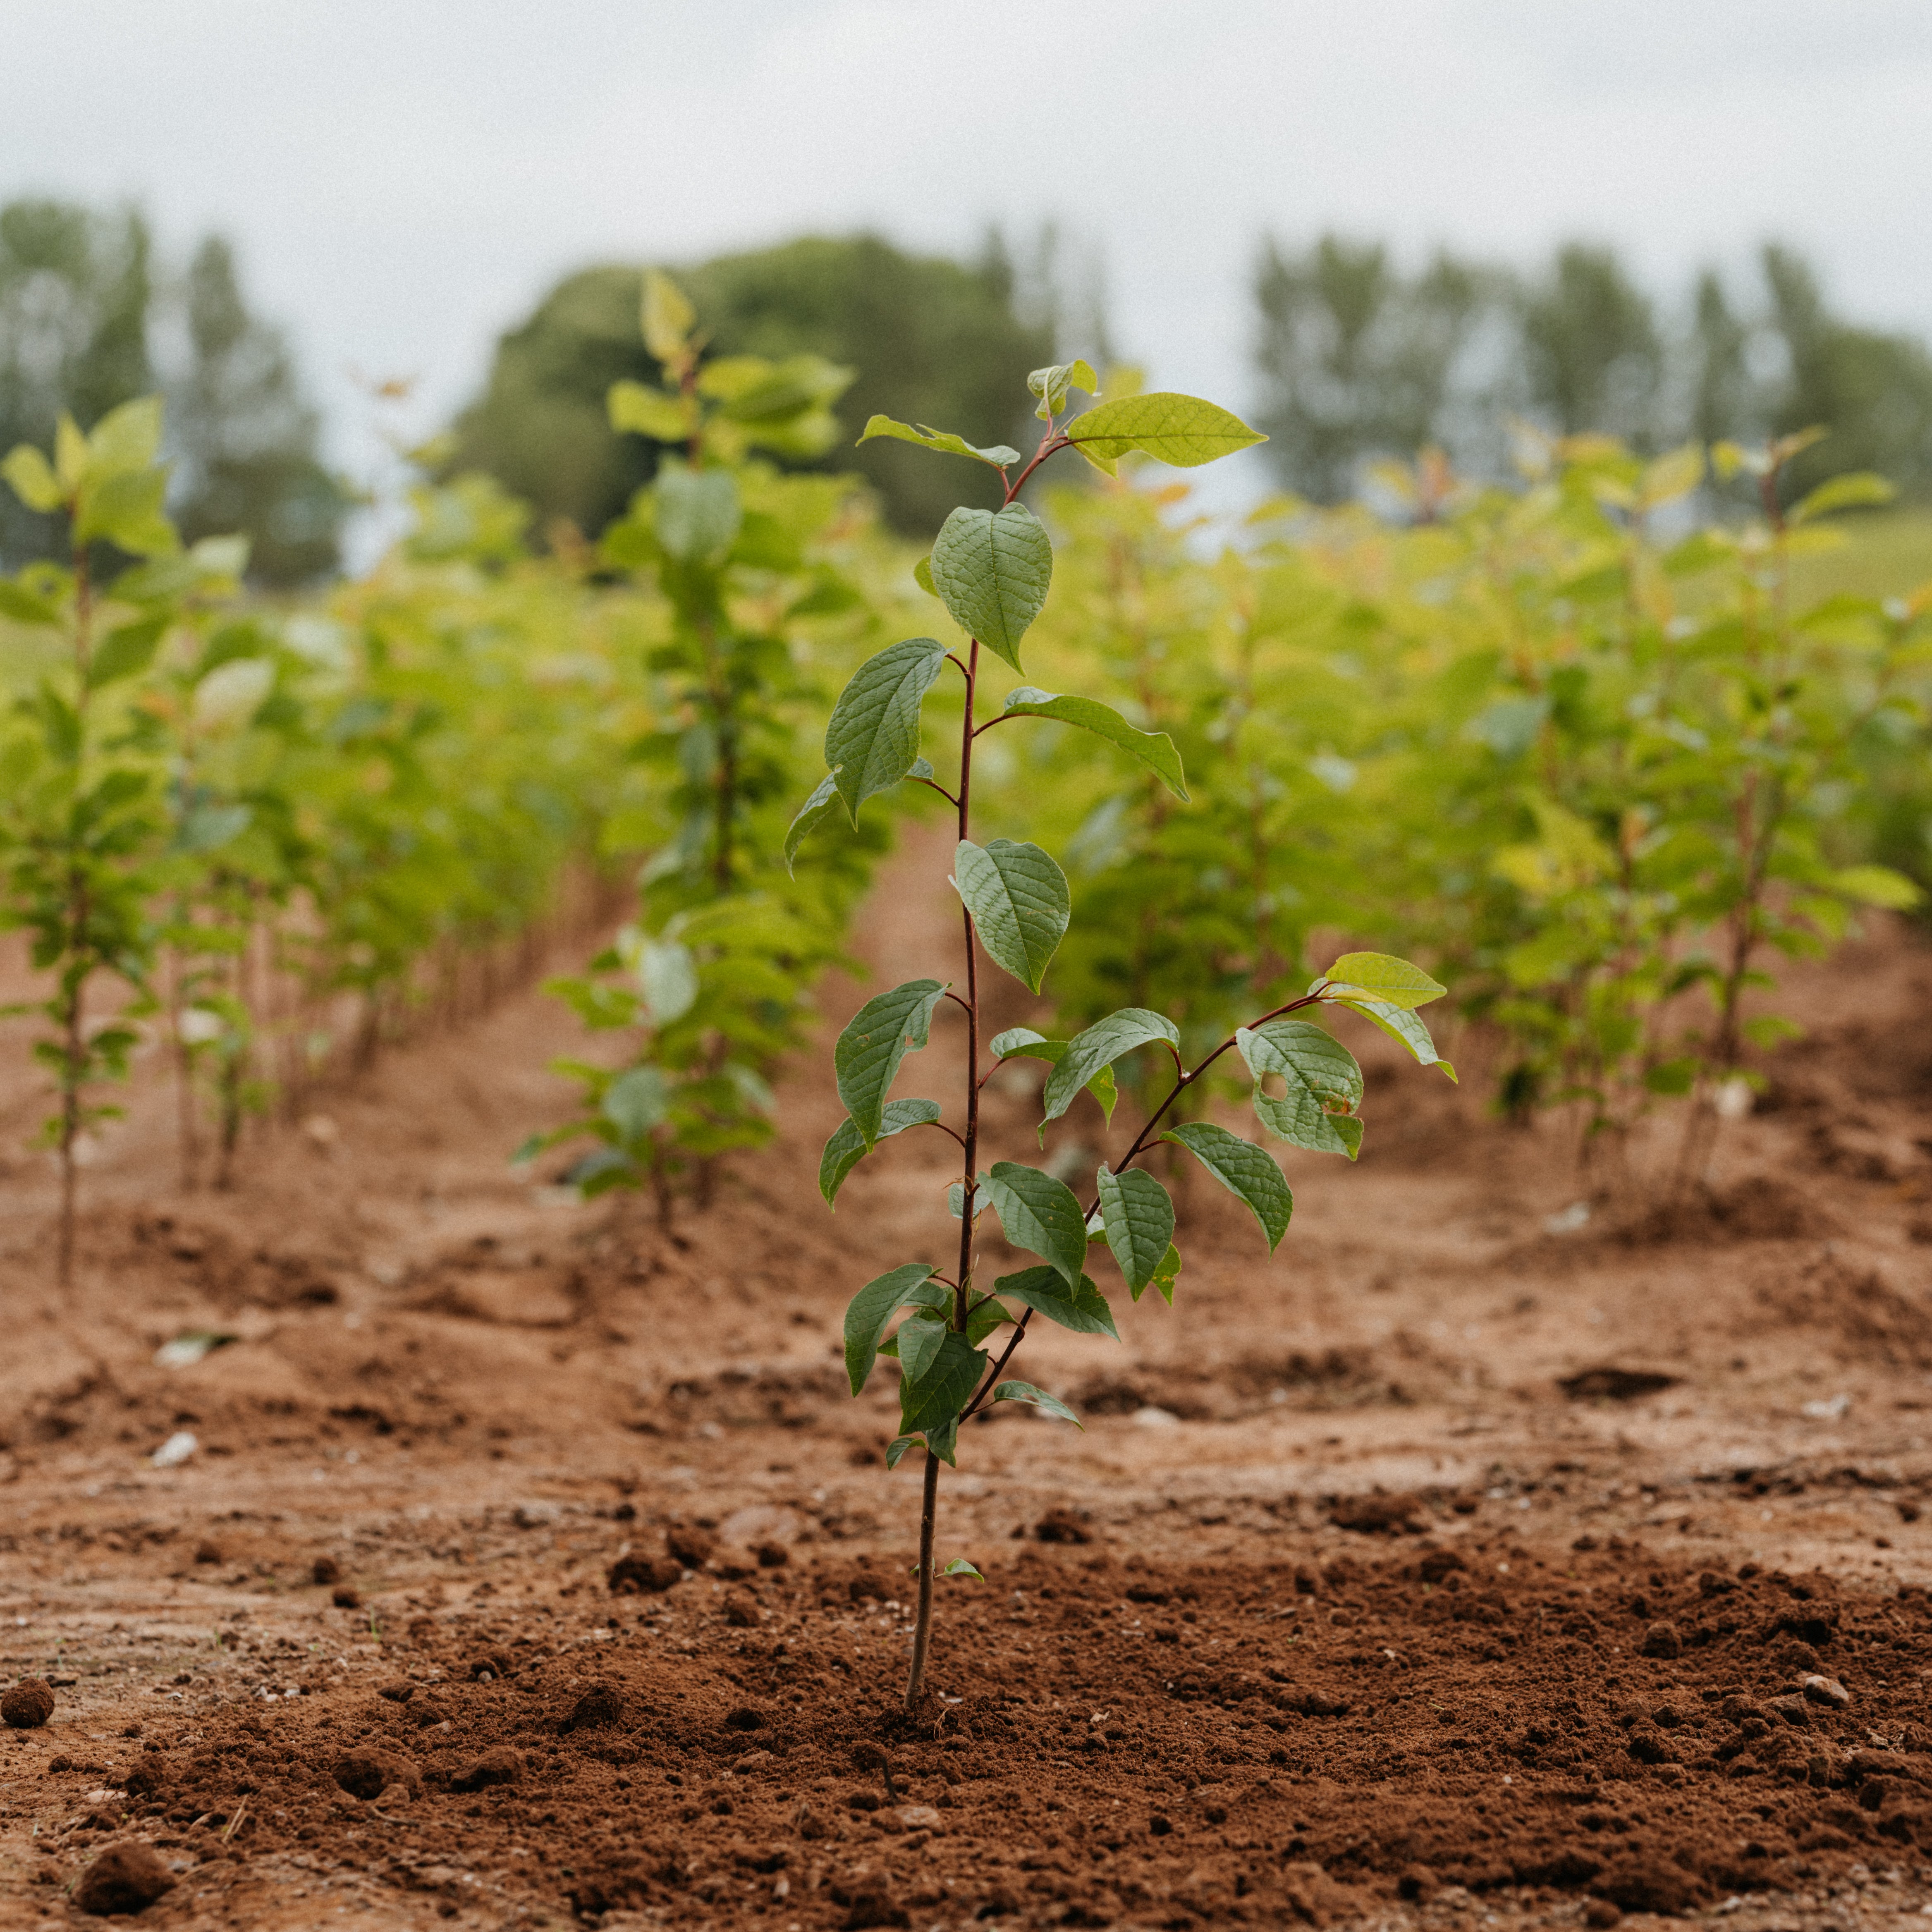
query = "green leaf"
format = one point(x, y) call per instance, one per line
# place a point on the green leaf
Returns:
point(650, 412)
point(124, 508)
point(667, 316)
point(1154, 749)
point(1138, 1217)
point(895, 1449)
point(1100, 1045)
point(1182, 431)
point(959, 1567)
point(19, 605)
point(921, 1336)
point(1318, 1073)
point(1082, 1308)
point(126, 438)
point(983, 1317)
point(1398, 1023)
point(1039, 1398)
point(1166, 1275)
point(809, 814)
point(1051, 386)
point(636, 1102)
point(1858, 489)
point(1040, 1214)
point(1020, 905)
point(1023, 1043)
point(1378, 977)
point(998, 457)
point(698, 512)
point(847, 1148)
point(1876, 886)
point(870, 1310)
point(922, 575)
point(1245, 1171)
point(866, 1059)
point(127, 651)
point(872, 741)
point(990, 569)
point(931, 1405)
point(33, 479)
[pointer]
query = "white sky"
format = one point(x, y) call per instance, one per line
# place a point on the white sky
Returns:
point(403, 177)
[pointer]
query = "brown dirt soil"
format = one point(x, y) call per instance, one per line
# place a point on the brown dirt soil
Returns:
point(1477, 1559)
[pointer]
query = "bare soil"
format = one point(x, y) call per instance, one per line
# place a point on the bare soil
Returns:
point(1477, 1558)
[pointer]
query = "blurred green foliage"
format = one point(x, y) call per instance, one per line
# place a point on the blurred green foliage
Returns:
point(935, 339)
point(88, 320)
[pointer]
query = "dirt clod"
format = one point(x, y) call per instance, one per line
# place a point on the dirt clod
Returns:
point(346, 1598)
point(28, 1704)
point(633, 1576)
point(772, 1555)
point(690, 1546)
point(208, 1553)
point(367, 1773)
point(500, 1766)
point(325, 1571)
point(1662, 1639)
point(1378, 1515)
point(397, 1690)
point(127, 1876)
point(741, 1609)
point(602, 1704)
point(1061, 1526)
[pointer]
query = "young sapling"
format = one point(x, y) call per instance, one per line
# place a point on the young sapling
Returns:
point(991, 570)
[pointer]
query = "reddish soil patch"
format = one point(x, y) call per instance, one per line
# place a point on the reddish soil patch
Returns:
point(1471, 1559)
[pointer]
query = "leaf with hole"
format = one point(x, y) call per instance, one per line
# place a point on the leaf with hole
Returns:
point(1019, 901)
point(872, 742)
point(990, 569)
point(1247, 1172)
point(866, 1059)
point(1154, 749)
point(1319, 1078)
point(1138, 1217)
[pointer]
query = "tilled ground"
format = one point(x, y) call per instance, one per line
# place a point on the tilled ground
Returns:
point(1498, 1553)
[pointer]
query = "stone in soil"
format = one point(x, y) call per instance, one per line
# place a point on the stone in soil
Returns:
point(367, 1773)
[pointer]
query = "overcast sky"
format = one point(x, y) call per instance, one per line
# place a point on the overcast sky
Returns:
point(404, 178)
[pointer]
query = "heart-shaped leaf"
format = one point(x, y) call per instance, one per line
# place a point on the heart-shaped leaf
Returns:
point(990, 569)
point(1020, 905)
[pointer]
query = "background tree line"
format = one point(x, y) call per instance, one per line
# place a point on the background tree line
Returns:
point(89, 319)
point(1357, 358)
